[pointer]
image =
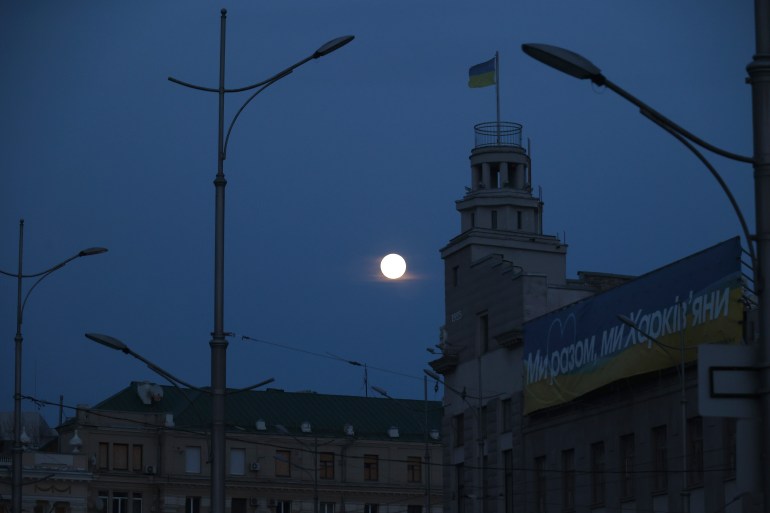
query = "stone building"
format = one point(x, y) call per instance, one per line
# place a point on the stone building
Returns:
point(145, 450)
point(617, 446)
point(53, 482)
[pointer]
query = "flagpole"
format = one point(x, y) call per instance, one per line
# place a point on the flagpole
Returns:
point(497, 93)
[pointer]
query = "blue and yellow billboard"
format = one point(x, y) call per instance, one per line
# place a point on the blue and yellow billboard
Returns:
point(584, 346)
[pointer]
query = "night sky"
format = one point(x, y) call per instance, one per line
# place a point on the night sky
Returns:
point(353, 156)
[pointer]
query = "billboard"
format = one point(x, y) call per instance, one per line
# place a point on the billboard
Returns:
point(584, 346)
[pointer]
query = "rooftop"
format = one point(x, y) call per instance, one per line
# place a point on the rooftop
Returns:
point(262, 411)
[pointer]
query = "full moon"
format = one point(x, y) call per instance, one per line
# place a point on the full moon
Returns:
point(393, 266)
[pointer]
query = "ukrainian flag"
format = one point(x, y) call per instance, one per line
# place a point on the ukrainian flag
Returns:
point(482, 75)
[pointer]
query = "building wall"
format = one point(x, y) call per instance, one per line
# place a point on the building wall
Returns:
point(487, 302)
point(499, 274)
point(631, 408)
point(51, 482)
point(167, 469)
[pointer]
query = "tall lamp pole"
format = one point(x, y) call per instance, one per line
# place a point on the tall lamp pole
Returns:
point(16, 484)
point(755, 471)
point(283, 430)
point(218, 342)
point(685, 495)
point(480, 439)
point(426, 464)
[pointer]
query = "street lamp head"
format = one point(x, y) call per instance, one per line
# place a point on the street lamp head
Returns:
point(108, 341)
point(92, 251)
point(628, 322)
point(381, 391)
point(565, 61)
point(334, 44)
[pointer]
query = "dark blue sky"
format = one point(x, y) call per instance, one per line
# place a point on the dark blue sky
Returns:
point(359, 154)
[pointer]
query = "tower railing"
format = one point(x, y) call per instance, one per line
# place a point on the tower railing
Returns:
point(494, 133)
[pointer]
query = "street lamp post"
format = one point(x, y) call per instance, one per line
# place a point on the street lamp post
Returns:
point(685, 496)
point(282, 429)
point(756, 471)
point(481, 436)
point(118, 345)
point(384, 393)
point(218, 342)
point(16, 484)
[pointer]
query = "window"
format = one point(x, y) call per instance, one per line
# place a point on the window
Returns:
point(568, 479)
point(192, 505)
point(455, 275)
point(473, 219)
point(414, 508)
point(112, 502)
point(283, 507)
point(282, 463)
point(326, 507)
point(730, 448)
point(326, 465)
point(192, 460)
point(414, 469)
point(506, 412)
point(659, 459)
point(597, 473)
point(120, 456)
point(460, 476)
point(518, 219)
point(137, 462)
point(136, 502)
point(237, 462)
point(371, 467)
point(104, 456)
point(119, 502)
point(508, 477)
point(371, 508)
point(484, 333)
point(494, 219)
point(627, 467)
point(103, 500)
point(459, 429)
point(695, 451)
point(238, 505)
point(540, 484)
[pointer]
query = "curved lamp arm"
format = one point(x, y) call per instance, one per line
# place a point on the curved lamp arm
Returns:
point(665, 347)
point(82, 253)
point(324, 49)
point(578, 66)
point(44, 274)
point(462, 395)
point(744, 226)
point(118, 345)
point(114, 343)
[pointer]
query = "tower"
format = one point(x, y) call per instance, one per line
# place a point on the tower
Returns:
point(499, 214)
point(499, 271)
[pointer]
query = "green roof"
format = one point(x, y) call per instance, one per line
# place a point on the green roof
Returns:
point(327, 414)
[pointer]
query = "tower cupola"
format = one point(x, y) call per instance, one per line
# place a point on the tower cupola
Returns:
point(500, 196)
point(498, 213)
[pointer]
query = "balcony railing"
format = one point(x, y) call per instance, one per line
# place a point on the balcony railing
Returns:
point(493, 133)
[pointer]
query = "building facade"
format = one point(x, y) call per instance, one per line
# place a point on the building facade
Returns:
point(53, 482)
point(146, 450)
point(636, 443)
